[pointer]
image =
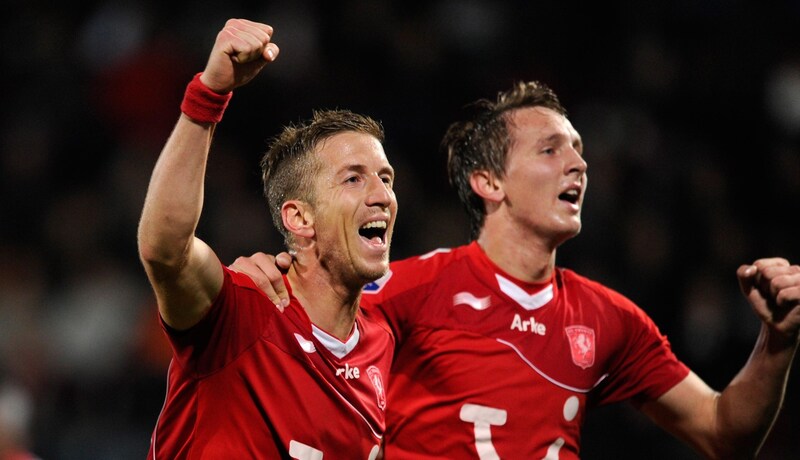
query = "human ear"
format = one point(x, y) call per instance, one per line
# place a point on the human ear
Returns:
point(298, 218)
point(486, 185)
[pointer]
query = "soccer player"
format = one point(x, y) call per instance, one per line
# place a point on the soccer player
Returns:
point(501, 352)
point(245, 380)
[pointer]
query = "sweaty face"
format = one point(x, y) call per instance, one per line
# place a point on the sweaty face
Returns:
point(355, 207)
point(545, 178)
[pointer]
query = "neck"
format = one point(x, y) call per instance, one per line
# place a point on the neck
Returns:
point(524, 256)
point(329, 304)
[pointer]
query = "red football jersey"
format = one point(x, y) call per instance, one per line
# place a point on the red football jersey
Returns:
point(491, 367)
point(249, 382)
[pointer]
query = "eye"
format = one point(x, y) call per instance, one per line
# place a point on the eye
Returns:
point(352, 179)
point(549, 151)
point(387, 180)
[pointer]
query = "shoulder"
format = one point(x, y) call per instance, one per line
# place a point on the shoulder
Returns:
point(600, 296)
point(435, 260)
point(417, 271)
point(375, 327)
point(238, 280)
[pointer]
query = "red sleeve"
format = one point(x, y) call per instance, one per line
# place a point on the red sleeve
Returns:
point(235, 320)
point(646, 367)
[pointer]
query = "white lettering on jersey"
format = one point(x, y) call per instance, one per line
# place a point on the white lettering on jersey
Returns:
point(301, 451)
point(552, 451)
point(349, 372)
point(483, 417)
point(570, 410)
point(373, 454)
point(467, 298)
point(571, 406)
point(528, 325)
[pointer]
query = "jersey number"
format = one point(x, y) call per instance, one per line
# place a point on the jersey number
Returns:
point(300, 451)
point(483, 418)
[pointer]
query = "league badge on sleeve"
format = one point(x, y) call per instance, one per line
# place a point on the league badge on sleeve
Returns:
point(581, 345)
point(375, 286)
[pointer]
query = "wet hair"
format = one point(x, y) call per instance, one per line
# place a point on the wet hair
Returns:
point(288, 167)
point(481, 142)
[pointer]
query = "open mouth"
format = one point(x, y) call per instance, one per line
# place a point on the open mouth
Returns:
point(374, 232)
point(570, 196)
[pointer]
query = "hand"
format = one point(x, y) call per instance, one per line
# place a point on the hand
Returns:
point(265, 271)
point(241, 50)
point(773, 288)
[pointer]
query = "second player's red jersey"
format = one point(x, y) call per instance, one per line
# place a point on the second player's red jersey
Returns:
point(491, 367)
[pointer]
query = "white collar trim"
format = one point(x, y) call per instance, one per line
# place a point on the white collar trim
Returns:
point(337, 347)
point(527, 301)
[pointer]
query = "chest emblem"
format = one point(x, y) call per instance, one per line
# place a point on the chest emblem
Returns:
point(581, 345)
point(374, 375)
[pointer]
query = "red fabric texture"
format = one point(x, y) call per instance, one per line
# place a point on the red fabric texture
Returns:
point(202, 104)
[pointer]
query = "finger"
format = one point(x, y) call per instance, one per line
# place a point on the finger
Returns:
point(283, 260)
point(269, 267)
point(747, 278)
point(248, 40)
point(279, 287)
point(253, 25)
point(772, 278)
point(763, 264)
point(243, 47)
point(266, 279)
point(788, 297)
point(787, 287)
point(761, 273)
point(271, 52)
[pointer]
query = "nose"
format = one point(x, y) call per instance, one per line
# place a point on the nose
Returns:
point(576, 162)
point(378, 192)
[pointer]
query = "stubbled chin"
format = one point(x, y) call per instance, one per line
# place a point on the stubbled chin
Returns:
point(374, 260)
point(372, 271)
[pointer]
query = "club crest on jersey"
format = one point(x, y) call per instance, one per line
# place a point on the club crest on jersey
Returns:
point(581, 345)
point(374, 375)
point(375, 286)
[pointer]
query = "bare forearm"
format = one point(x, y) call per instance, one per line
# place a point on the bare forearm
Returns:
point(748, 406)
point(174, 197)
point(735, 423)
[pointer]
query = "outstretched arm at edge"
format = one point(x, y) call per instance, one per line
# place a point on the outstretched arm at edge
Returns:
point(736, 422)
point(185, 273)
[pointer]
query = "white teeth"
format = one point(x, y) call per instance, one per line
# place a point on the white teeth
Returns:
point(376, 224)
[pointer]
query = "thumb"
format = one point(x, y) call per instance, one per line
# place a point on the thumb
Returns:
point(747, 278)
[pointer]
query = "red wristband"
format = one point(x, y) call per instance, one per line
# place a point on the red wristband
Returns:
point(203, 105)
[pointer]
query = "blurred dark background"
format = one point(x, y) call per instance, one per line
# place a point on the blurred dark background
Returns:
point(690, 112)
